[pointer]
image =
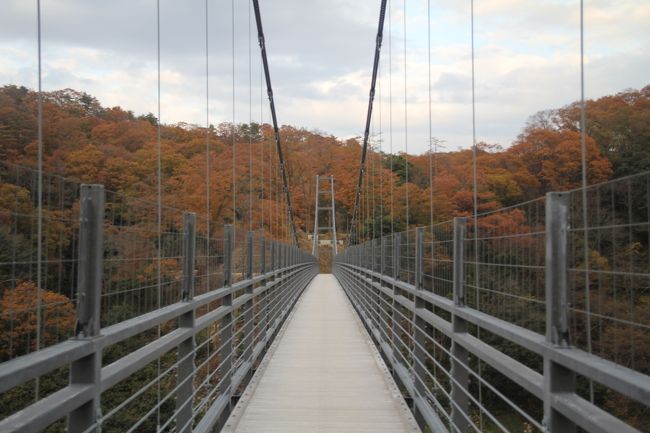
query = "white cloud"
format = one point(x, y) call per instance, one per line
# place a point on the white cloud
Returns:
point(321, 56)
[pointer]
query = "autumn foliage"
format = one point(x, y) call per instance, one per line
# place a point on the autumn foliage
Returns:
point(18, 319)
point(112, 146)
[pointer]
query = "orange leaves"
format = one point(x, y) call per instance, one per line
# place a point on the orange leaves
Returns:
point(554, 157)
point(127, 135)
point(112, 146)
point(170, 270)
point(18, 319)
point(85, 164)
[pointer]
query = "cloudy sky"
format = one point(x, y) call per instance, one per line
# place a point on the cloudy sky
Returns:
point(527, 59)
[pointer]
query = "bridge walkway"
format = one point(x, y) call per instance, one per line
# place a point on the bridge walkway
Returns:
point(322, 374)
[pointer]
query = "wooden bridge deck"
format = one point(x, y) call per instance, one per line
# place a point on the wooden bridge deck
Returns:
point(323, 374)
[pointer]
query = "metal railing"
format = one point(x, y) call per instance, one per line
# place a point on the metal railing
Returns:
point(170, 352)
point(484, 321)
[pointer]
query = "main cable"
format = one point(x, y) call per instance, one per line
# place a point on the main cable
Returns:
point(364, 151)
point(278, 144)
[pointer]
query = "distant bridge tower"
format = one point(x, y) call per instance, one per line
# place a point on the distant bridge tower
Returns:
point(330, 222)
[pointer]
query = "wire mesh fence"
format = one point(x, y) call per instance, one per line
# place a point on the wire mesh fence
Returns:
point(504, 264)
point(152, 328)
point(143, 254)
point(471, 315)
point(609, 275)
point(437, 267)
point(24, 308)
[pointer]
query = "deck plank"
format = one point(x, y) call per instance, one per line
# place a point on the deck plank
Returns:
point(323, 375)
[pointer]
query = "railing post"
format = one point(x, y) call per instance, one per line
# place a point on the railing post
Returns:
point(283, 285)
point(364, 255)
point(397, 261)
point(419, 244)
point(378, 254)
point(87, 370)
point(227, 255)
point(376, 245)
point(248, 306)
point(381, 319)
point(265, 297)
point(460, 225)
point(249, 256)
point(396, 273)
point(225, 328)
point(185, 371)
point(419, 329)
point(280, 256)
point(459, 358)
point(270, 292)
point(557, 378)
point(263, 256)
point(277, 289)
point(382, 246)
point(273, 254)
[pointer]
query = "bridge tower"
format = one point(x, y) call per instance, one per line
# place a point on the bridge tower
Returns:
point(324, 187)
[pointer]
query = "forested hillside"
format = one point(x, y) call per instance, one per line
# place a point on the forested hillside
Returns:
point(90, 143)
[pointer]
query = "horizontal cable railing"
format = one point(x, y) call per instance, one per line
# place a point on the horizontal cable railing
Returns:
point(502, 322)
point(142, 330)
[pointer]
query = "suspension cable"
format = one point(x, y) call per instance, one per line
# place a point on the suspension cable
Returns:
point(159, 200)
point(232, 127)
point(381, 156)
point(390, 118)
point(39, 240)
point(272, 196)
point(362, 167)
point(475, 193)
point(250, 124)
point(261, 147)
point(406, 131)
point(207, 143)
point(371, 184)
point(278, 144)
point(207, 164)
point(430, 120)
point(585, 216)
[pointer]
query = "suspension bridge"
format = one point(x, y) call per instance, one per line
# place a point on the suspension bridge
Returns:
point(150, 318)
